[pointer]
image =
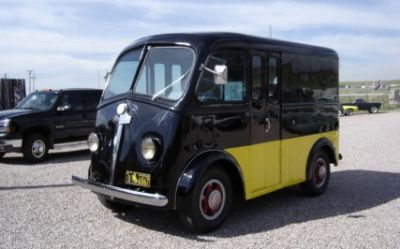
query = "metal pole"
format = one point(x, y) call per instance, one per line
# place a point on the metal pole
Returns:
point(33, 82)
point(30, 71)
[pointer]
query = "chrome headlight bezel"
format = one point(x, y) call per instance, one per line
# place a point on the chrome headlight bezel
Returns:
point(150, 148)
point(93, 142)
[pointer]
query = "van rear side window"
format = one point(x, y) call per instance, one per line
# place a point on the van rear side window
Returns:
point(235, 88)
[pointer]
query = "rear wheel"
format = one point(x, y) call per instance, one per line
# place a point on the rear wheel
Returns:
point(318, 174)
point(35, 148)
point(373, 109)
point(2, 154)
point(349, 112)
point(209, 203)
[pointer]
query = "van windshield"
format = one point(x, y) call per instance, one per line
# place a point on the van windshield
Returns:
point(165, 72)
point(122, 76)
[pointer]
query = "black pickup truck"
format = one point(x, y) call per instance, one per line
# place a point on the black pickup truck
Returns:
point(363, 105)
point(45, 119)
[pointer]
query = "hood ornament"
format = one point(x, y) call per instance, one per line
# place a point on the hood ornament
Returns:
point(124, 118)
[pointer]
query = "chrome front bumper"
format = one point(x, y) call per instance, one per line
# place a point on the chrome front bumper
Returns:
point(10, 145)
point(156, 200)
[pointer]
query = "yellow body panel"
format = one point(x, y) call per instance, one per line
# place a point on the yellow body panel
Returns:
point(270, 166)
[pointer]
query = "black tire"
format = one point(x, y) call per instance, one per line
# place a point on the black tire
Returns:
point(35, 148)
point(318, 175)
point(113, 205)
point(373, 109)
point(348, 112)
point(207, 206)
point(2, 154)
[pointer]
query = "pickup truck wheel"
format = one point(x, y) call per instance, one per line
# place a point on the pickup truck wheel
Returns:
point(2, 154)
point(373, 109)
point(318, 173)
point(112, 205)
point(349, 112)
point(35, 148)
point(208, 205)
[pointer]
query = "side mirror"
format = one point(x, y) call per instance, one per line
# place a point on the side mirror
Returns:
point(221, 76)
point(220, 73)
point(64, 108)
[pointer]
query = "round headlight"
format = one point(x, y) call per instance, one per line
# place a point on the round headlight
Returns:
point(93, 142)
point(148, 148)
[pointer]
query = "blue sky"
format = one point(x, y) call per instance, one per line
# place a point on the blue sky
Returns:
point(72, 43)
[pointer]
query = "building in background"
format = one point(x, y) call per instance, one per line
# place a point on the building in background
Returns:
point(11, 92)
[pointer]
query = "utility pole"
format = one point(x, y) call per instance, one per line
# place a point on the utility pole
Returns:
point(30, 71)
point(5, 76)
point(33, 82)
point(270, 31)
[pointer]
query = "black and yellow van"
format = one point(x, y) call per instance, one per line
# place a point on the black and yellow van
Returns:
point(190, 121)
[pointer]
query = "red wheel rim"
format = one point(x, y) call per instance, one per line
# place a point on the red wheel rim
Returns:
point(320, 172)
point(212, 199)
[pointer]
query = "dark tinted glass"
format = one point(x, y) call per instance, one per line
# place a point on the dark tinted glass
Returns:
point(234, 90)
point(73, 99)
point(257, 77)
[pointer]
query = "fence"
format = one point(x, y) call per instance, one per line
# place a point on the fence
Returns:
point(11, 92)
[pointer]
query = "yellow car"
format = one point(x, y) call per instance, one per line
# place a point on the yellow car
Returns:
point(348, 110)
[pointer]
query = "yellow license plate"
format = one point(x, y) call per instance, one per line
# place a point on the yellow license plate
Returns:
point(137, 179)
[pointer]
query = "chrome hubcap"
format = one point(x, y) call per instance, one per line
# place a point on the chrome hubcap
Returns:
point(38, 148)
point(212, 199)
point(320, 172)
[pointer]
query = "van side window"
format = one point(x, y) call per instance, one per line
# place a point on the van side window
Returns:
point(273, 79)
point(235, 88)
point(257, 77)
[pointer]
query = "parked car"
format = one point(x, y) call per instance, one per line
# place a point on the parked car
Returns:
point(363, 105)
point(45, 119)
point(347, 110)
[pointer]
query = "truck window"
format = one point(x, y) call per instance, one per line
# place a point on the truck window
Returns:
point(73, 99)
point(92, 100)
point(234, 90)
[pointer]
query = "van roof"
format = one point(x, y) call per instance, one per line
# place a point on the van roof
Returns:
point(214, 40)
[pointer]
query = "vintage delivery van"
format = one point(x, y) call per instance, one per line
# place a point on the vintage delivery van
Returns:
point(190, 121)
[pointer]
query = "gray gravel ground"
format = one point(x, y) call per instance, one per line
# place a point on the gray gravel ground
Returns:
point(40, 208)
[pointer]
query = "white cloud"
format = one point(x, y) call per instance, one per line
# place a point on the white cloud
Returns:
point(68, 42)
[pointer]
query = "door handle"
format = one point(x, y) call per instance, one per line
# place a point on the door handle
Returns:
point(267, 125)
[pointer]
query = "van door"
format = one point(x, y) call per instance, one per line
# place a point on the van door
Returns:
point(265, 125)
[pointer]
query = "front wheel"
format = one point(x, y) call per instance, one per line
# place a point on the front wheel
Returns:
point(207, 206)
point(35, 148)
point(373, 109)
point(318, 175)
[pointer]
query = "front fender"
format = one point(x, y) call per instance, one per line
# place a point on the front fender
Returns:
point(196, 168)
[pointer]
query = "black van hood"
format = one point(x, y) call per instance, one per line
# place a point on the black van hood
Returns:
point(146, 120)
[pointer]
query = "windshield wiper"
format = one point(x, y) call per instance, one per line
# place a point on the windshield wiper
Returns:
point(173, 83)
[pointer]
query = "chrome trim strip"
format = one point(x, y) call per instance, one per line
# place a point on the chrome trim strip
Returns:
point(156, 199)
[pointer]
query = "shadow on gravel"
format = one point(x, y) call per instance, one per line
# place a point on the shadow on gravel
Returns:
point(38, 186)
point(53, 158)
point(349, 192)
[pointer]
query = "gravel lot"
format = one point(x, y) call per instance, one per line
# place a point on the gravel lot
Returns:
point(40, 208)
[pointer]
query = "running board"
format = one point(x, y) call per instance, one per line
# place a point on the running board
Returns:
point(69, 145)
